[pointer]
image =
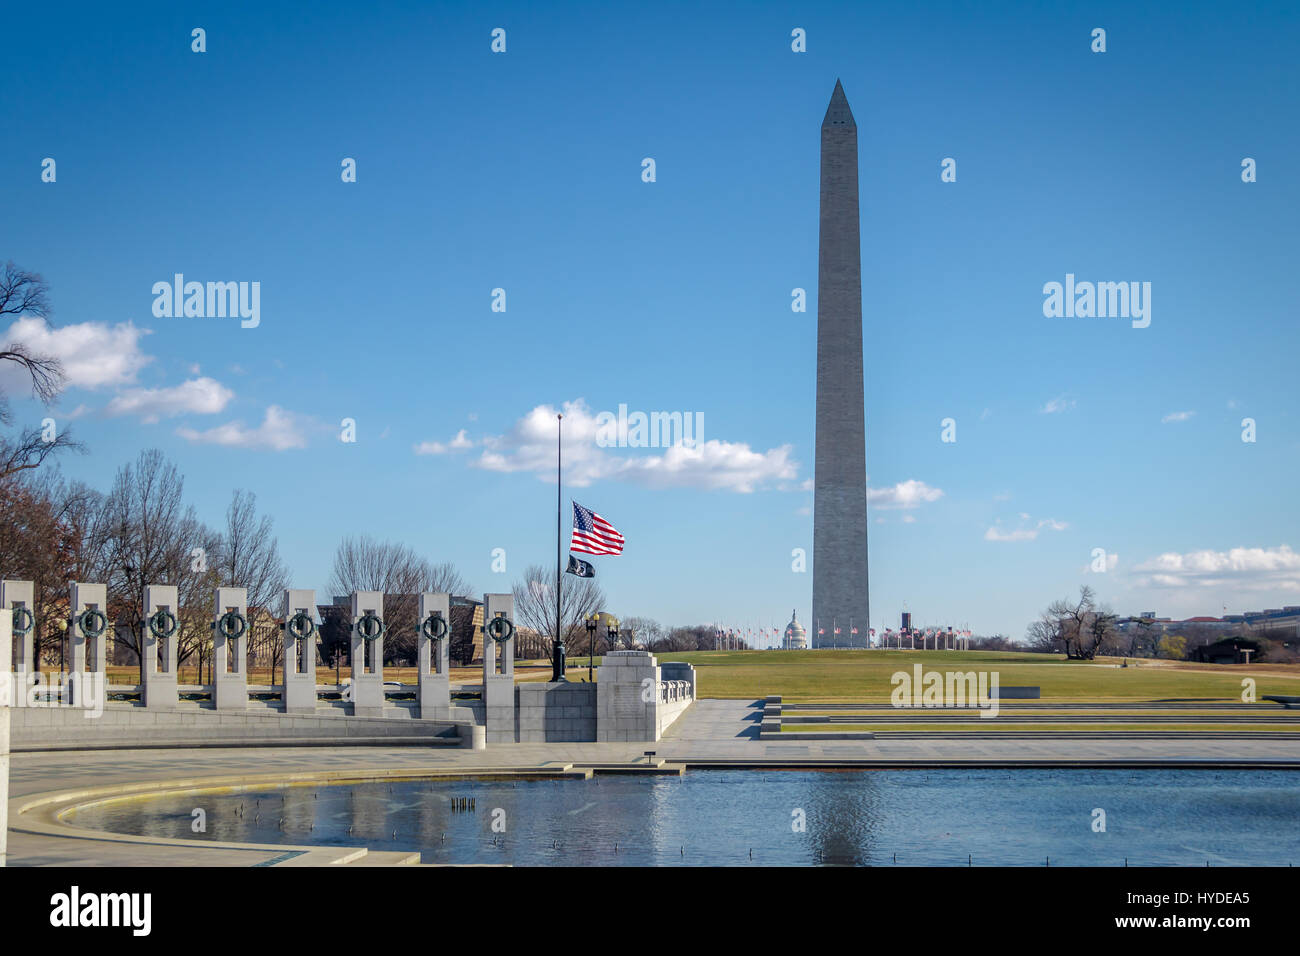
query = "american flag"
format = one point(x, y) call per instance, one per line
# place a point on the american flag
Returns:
point(592, 534)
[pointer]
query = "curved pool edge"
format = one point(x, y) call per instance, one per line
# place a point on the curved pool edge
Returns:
point(43, 814)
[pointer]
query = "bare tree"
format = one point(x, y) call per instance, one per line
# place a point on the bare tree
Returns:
point(363, 564)
point(32, 548)
point(641, 632)
point(249, 557)
point(1081, 628)
point(26, 294)
point(152, 537)
point(535, 605)
point(1043, 636)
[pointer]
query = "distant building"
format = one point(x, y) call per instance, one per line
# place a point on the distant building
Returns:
point(796, 638)
point(1279, 623)
point(1234, 650)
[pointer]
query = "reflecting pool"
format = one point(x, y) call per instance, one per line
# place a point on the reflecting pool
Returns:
point(756, 817)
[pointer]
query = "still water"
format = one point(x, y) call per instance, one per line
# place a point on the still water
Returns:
point(721, 817)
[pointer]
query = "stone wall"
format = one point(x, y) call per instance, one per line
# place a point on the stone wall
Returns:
point(36, 728)
point(634, 701)
point(555, 711)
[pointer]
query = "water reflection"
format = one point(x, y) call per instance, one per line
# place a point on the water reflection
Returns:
point(736, 817)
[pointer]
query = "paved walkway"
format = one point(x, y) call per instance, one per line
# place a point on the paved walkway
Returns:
point(711, 733)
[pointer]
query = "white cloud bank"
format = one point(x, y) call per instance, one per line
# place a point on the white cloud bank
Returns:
point(529, 446)
point(280, 430)
point(461, 442)
point(1027, 531)
point(199, 396)
point(905, 494)
point(93, 354)
point(1249, 569)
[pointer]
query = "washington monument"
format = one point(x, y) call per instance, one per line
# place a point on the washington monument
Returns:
point(840, 463)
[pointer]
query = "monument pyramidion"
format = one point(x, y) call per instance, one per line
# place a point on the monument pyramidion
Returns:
point(841, 615)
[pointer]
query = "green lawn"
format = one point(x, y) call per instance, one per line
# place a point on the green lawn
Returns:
point(865, 675)
point(993, 726)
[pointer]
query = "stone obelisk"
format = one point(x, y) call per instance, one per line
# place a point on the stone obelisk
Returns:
point(840, 465)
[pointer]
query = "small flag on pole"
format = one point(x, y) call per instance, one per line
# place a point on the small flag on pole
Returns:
point(592, 534)
point(580, 568)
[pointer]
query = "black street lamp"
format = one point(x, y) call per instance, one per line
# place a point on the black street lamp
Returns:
point(591, 647)
point(611, 633)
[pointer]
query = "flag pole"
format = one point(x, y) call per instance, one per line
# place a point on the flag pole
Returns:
point(557, 652)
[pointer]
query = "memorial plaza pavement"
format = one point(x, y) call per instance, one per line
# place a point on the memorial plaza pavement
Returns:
point(717, 733)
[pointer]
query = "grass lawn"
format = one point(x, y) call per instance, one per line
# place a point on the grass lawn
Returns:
point(992, 725)
point(865, 675)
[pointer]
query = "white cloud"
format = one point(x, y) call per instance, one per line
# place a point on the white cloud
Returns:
point(984, 415)
point(200, 396)
point(1112, 562)
point(905, 494)
point(280, 430)
point(1028, 530)
point(93, 354)
point(1020, 534)
point(1251, 569)
point(1061, 403)
point(1176, 417)
point(908, 519)
point(461, 442)
point(713, 464)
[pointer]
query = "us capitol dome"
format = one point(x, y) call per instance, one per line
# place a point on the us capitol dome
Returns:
point(796, 638)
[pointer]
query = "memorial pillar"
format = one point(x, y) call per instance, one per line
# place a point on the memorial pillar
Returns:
point(161, 647)
point(434, 626)
point(499, 667)
point(299, 696)
point(230, 649)
point(6, 636)
point(16, 598)
point(368, 653)
point(87, 637)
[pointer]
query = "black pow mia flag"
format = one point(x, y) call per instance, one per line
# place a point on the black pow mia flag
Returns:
point(580, 568)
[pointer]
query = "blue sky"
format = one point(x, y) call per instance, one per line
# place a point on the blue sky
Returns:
point(522, 171)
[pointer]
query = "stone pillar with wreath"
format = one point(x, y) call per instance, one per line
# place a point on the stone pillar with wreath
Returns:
point(299, 695)
point(366, 691)
point(161, 647)
point(230, 649)
point(16, 598)
point(88, 639)
point(499, 667)
point(434, 657)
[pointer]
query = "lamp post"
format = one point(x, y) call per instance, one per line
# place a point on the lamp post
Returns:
point(611, 633)
point(591, 644)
